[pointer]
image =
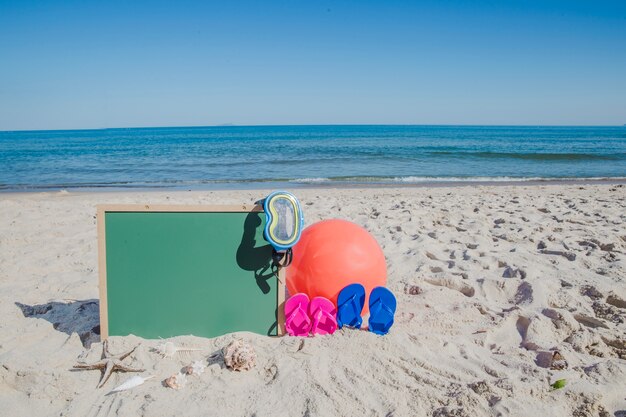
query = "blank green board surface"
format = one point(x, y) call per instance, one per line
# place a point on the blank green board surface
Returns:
point(179, 273)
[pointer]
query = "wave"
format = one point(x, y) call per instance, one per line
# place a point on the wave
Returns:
point(286, 182)
point(534, 156)
point(426, 179)
point(311, 180)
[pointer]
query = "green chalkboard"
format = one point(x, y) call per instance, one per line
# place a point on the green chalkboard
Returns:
point(175, 270)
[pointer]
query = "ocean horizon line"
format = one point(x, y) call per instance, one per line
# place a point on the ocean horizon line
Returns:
point(234, 125)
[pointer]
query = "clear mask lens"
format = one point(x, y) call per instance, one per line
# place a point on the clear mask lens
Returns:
point(286, 220)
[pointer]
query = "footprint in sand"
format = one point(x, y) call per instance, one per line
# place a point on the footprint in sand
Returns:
point(538, 333)
point(508, 291)
point(453, 284)
point(503, 335)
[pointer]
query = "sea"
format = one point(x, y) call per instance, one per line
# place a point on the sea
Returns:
point(217, 157)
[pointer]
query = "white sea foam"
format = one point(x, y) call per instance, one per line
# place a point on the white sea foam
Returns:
point(470, 179)
point(425, 179)
point(500, 179)
point(311, 180)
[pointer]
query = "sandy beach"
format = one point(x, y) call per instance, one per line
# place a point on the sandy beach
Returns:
point(490, 282)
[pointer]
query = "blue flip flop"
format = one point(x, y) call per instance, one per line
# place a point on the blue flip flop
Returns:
point(350, 302)
point(382, 310)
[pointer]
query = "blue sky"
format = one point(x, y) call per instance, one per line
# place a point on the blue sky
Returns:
point(122, 64)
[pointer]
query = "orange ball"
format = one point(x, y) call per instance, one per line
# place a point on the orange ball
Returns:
point(332, 254)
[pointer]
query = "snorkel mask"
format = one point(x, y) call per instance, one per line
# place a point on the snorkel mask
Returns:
point(283, 224)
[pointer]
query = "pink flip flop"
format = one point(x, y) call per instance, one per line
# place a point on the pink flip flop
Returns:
point(297, 321)
point(323, 313)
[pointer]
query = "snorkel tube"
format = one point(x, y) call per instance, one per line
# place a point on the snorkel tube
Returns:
point(283, 224)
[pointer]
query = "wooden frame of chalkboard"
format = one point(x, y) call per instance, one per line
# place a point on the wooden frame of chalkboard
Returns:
point(271, 283)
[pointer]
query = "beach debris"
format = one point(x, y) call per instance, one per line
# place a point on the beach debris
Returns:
point(510, 272)
point(570, 256)
point(479, 387)
point(610, 257)
point(131, 382)
point(196, 368)
point(591, 292)
point(413, 289)
point(590, 321)
point(374, 213)
point(431, 256)
point(558, 384)
point(558, 362)
point(176, 381)
point(607, 247)
point(616, 301)
point(169, 349)
point(587, 244)
point(607, 312)
point(109, 363)
point(239, 356)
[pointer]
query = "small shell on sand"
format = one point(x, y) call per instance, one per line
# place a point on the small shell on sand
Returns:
point(558, 362)
point(196, 368)
point(130, 383)
point(239, 356)
point(176, 381)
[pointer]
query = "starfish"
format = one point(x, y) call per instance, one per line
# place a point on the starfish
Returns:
point(109, 364)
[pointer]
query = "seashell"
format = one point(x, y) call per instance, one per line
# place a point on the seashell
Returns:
point(196, 368)
point(131, 383)
point(558, 361)
point(169, 349)
point(176, 381)
point(239, 356)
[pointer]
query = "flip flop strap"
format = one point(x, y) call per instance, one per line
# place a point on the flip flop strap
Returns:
point(295, 311)
point(318, 316)
point(351, 301)
point(380, 305)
